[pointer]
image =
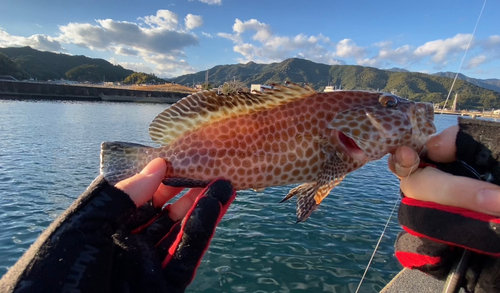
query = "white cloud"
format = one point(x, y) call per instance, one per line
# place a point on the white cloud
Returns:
point(126, 51)
point(265, 47)
point(169, 66)
point(39, 42)
point(262, 30)
point(233, 38)
point(440, 50)
point(163, 19)
point(160, 38)
point(139, 67)
point(210, 2)
point(476, 61)
point(387, 56)
point(347, 48)
point(158, 35)
point(255, 41)
point(193, 21)
point(155, 37)
point(207, 35)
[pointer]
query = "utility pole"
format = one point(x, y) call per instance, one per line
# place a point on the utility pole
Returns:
point(206, 80)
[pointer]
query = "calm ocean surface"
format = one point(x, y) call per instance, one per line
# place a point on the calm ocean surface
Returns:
point(49, 153)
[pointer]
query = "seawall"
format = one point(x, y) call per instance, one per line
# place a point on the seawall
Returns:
point(45, 91)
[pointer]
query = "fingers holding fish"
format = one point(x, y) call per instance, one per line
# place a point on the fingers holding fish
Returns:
point(143, 185)
point(403, 162)
point(164, 194)
point(433, 185)
point(439, 148)
point(180, 208)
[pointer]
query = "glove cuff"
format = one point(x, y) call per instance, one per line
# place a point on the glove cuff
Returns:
point(423, 254)
point(457, 226)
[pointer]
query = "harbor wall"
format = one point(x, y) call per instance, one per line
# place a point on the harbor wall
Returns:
point(47, 91)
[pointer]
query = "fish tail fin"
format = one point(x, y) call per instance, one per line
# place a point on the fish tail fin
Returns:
point(121, 160)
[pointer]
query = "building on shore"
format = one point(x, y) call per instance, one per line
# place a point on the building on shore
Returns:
point(258, 87)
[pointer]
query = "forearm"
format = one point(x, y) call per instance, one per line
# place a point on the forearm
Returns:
point(65, 255)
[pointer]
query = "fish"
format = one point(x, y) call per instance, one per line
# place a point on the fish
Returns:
point(285, 135)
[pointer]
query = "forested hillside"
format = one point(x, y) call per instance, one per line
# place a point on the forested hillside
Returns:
point(42, 65)
point(411, 85)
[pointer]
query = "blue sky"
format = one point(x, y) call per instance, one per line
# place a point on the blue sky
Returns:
point(171, 38)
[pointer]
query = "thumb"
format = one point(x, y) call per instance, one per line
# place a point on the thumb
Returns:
point(441, 147)
point(142, 186)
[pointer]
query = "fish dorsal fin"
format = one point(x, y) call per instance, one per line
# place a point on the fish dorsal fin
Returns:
point(196, 110)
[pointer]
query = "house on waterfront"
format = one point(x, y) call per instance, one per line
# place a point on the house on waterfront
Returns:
point(258, 87)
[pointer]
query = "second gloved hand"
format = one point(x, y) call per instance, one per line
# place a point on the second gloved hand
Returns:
point(158, 254)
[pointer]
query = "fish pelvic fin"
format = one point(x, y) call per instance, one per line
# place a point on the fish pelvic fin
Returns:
point(202, 108)
point(121, 160)
point(310, 195)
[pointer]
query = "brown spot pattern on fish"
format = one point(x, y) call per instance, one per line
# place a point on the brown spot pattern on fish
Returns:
point(287, 135)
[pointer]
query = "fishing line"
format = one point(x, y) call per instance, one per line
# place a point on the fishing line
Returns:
point(396, 201)
point(378, 243)
point(463, 57)
point(412, 168)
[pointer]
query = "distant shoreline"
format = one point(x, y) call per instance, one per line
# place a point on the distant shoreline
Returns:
point(15, 90)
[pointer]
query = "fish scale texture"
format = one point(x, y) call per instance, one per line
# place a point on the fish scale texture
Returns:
point(289, 135)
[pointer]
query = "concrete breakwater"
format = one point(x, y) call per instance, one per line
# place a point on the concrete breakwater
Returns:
point(46, 91)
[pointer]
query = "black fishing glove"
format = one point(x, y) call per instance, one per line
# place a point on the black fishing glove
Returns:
point(103, 243)
point(161, 255)
point(435, 235)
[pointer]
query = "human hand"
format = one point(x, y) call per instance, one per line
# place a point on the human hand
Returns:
point(166, 246)
point(442, 212)
point(433, 185)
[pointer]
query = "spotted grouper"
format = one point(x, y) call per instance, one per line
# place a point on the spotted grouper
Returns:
point(286, 135)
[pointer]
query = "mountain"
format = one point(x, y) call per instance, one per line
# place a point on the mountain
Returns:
point(395, 69)
point(26, 62)
point(46, 65)
point(8, 67)
point(412, 85)
point(491, 84)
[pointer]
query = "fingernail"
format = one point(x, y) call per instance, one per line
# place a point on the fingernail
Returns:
point(434, 142)
point(489, 199)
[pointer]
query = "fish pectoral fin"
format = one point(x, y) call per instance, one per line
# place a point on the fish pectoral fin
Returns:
point(310, 195)
point(306, 203)
point(332, 174)
point(290, 194)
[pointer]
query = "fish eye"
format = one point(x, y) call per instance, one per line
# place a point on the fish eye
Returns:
point(388, 101)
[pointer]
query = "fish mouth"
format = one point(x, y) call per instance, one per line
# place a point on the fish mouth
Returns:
point(350, 146)
point(347, 141)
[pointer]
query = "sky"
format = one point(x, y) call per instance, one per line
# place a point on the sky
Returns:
point(172, 38)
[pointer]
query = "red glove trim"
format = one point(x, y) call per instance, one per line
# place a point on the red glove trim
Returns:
point(223, 210)
point(450, 209)
point(415, 233)
point(414, 260)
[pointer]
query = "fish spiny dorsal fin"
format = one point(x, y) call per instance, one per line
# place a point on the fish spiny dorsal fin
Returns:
point(196, 110)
